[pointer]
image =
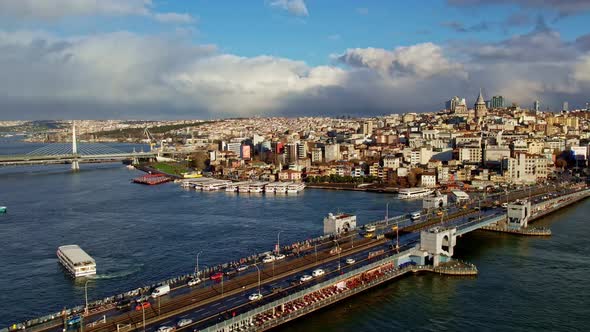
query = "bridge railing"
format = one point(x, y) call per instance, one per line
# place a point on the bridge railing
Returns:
point(276, 303)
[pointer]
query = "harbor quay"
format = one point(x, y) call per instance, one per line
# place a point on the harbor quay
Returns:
point(303, 277)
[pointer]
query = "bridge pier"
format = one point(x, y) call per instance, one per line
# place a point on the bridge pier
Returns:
point(437, 244)
point(75, 166)
point(518, 214)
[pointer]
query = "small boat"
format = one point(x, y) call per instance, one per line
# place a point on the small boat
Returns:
point(3, 209)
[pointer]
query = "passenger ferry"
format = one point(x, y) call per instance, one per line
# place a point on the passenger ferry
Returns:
point(294, 188)
point(257, 187)
point(76, 261)
point(411, 193)
point(244, 188)
point(233, 186)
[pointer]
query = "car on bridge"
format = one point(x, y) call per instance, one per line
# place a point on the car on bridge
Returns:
point(255, 297)
point(217, 276)
point(74, 320)
point(305, 278)
point(166, 329)
point(317, 273)
point(143, 306)
point(184, 322)
point(278, 257)
point(268, 259)
point(350, 261)
point(194, 281)
point(123, 304)
point(242, 268)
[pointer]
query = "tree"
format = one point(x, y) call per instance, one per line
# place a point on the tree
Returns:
point(199, 160)
point(561, 163)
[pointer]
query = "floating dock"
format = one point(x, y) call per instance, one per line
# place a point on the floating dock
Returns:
point(152, 179)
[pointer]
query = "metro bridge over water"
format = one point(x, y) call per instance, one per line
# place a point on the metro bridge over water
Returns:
point(74, 154)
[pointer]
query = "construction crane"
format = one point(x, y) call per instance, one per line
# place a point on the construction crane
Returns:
point(150, 138)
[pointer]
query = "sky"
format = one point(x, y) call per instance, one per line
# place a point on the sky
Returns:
point(206, 59)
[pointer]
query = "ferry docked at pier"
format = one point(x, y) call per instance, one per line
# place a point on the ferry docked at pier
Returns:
point(412, 193)
point(76, 261)
point(294, 188)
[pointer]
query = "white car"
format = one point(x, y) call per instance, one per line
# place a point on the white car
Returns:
point(242, 268)
point(184, 322)
point(317, 273)
point(255, 297)
point(350, 261)
point(305, 278)
point(194, 282)
point(268, 259)
point(166, 329)
point(279, 257)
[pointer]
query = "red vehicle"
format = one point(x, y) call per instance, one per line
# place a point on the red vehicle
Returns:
point(142, 306)
point(217, 276)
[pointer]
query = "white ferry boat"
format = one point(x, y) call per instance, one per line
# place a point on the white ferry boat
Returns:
point(294, 188)
point(257, 187)
point(411, 193)
point(244, 188)
point(76, 261)
point(234, 186)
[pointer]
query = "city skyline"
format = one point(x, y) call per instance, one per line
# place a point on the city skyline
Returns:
point(141, 59)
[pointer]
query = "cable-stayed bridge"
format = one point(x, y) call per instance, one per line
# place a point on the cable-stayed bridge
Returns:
point(73, 153)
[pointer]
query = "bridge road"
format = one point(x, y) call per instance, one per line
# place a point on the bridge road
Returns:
point(326, 260)
point(280, 268)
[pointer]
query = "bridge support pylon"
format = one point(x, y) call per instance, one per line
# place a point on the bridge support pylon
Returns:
point(518, 214)
point(437, 244)
point(75, 163)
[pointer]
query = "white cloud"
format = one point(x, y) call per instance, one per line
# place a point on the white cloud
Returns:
point(124, 74)
point(56, 9)
point(295, 7)
point(60, 9)
point(174, 18)
point(582, 69)
point(420, 60)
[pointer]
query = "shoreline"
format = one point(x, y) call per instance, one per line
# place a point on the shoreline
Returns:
point(338, 186)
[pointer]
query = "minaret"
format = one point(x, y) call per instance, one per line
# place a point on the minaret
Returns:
point(75, 164)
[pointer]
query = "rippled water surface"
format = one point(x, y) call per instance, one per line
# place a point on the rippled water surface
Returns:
point(140, 235)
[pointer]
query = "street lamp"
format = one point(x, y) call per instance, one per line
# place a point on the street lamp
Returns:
point(316, 252)
point(143, 315)
point(338, 251)
point(278, 242)
point(197, 267)
point(257, 268)
point(86, 296)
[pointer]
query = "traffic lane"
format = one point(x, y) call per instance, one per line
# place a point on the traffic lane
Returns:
point(232, 301)
point(330, 268)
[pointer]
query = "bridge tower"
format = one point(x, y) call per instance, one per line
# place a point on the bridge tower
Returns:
point(519, 213)
point(75, 163)
point(437, 244)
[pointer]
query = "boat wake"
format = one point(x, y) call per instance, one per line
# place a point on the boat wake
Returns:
point(115, 275)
